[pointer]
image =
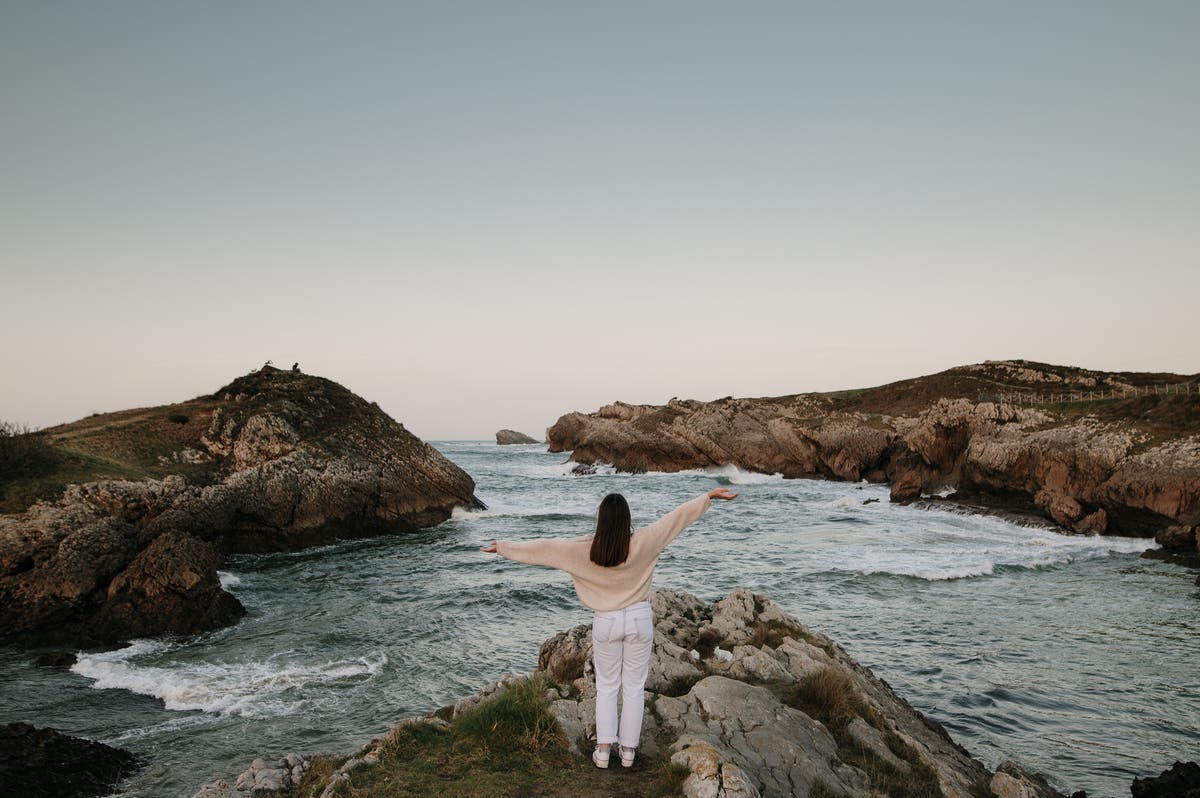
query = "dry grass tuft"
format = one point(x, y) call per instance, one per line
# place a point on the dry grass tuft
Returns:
point(828, 695)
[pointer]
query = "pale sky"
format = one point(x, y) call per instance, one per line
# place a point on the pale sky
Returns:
point(484, 215)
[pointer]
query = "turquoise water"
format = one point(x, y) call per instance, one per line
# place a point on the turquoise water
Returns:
point(1073, 655)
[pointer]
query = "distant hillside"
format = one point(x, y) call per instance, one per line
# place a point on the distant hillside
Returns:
point(154, 442)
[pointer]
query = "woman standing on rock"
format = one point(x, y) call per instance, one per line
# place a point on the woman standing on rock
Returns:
point(613, 570)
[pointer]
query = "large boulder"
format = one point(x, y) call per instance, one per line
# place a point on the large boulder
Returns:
point(276, 460)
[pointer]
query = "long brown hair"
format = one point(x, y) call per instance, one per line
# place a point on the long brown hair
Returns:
point(610, 544)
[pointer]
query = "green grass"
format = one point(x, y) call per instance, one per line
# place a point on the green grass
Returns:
point(17, 495)
point(517, 720)
point(509, 745)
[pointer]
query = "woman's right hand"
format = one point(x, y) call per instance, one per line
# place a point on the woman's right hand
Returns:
point(722, 493)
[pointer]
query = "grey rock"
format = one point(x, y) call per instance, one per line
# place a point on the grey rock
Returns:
point(873, 740)
point(506, 437)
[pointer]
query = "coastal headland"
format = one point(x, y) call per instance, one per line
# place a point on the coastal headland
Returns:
point(1094, 452)
point(118, 531)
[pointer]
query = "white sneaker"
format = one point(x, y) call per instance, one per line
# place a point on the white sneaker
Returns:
point(627, 755)
point(600, 756)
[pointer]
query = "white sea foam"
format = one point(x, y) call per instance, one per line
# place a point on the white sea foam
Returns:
point(935, 574)
point(228, 580)
point(939, 546)
point(738, 476)
point(254, 689)
point(505, 507)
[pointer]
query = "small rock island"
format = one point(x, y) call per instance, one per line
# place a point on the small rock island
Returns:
point(506, 437)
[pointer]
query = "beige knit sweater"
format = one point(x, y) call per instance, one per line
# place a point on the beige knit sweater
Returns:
point(605, 589)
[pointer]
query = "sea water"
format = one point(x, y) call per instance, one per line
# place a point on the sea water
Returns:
point(1073, 655)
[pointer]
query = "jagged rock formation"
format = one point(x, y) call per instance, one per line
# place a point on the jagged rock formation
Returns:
point(507, 437)
point(1181, 780)
point(1126, 466)
point(276, 460)
point(746, 698)
point(41, 763)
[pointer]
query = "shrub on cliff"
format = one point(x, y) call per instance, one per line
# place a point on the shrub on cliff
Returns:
point(24, 454)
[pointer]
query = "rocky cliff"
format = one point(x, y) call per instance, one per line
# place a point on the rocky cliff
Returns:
point(275, 460)
point(1092, 451)
point(742, 701)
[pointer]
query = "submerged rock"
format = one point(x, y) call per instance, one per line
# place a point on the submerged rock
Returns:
point(506, 437)
point(289, 460)
point(42, 763)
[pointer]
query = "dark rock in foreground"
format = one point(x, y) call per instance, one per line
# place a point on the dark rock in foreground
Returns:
point(1181, 780)
point(276, 460)
point(41, 763)
point(506, 437)
point(1128, 466)
point(744, 697)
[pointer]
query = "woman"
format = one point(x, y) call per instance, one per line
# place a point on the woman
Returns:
point(612, 570)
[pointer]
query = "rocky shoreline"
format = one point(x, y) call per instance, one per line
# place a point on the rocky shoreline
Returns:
point(1127, 466)
point(275, 460)
point(742, 699)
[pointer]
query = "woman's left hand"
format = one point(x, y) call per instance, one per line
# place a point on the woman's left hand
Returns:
point(722, 493)
point(489, 548)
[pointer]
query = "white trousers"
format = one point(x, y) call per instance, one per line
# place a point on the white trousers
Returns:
point(621, 644)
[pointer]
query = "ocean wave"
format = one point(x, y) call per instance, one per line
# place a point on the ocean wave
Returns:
point(462, 514)
point(228, 580)
point(738, 476)
point(936, 573)
point(253, 689)
point(974, 555)
point(725, 474)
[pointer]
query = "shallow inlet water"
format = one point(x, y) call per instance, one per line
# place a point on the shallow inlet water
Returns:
point(1073, 655)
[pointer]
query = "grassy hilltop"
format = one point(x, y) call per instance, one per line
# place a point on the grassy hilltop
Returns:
point(154, 442)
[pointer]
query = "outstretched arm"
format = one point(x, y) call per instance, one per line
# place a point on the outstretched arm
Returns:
point(667, 528)
point(552, 552)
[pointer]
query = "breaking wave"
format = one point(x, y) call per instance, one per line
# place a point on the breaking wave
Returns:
point(271, 688)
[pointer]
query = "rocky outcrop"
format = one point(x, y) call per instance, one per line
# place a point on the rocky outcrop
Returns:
point(1181, 780)
point(1130, 467)
point(754, 703)
point(287, 460)
point(41, 763)
point(745, 698)
point(506, 437)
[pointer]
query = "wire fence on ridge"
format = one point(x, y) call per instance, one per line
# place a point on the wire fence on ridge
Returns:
point(1094, 395)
